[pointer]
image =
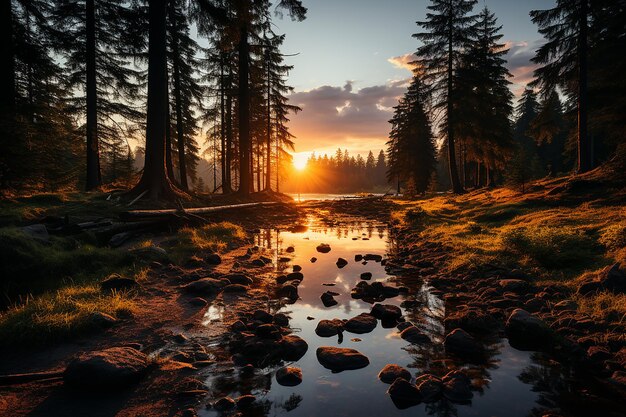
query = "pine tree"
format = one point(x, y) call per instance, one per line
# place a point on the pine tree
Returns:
point(523, 165)
point(485, 100)
point(449, 28)
point(411, 147)
point(565, 62)
point(549, 129)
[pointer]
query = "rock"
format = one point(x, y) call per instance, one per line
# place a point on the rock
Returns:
point(527, 332)
point(429, 387)
point(472, 319)
point(328, 300)
point(386, 312)
point(323, 248)
point(205, 286)
point(414, 335)
point(262, 316)
point(462, 344)
point(297, 268)
point(328, 328)
point(37, 232)
point(245, 401)
point(289, 291)
point(180, 338)
point(290, 249)
point(239, 326)
point(341, 359)
point(341, 263)
point(235, 289)
point(313, 260)
point(404, 325)
point(619, 378)
point(391, 372)
point(213, 259)
point(118, 283)
point(372, 257)
point(224, 404)
point(265, 259)
point(614, 279)
point(363, 323)
point(295, 276)
point(366, 276)
point(289, 376)
point(404, 394)
point(101, 319)
point(589, 286)
point(358, 258)
point(293, 347)
point(118, 239)
point(240, 279)
point(198, 301)
point(457, 387)
point(257, 262)
point(514, 285)
point(598, 354)
point(268, 331)
point(108, 369)
point(281, 319)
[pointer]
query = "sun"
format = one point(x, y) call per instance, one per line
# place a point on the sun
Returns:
point(300, 161)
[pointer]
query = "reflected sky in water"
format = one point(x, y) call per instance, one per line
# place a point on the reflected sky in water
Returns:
point(499, 388)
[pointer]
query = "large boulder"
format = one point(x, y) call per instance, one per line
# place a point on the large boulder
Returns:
point(108, 369)
point(363, 323)
point(391, 372)
point(293, 347)
point(341, 359)
point(527, 332)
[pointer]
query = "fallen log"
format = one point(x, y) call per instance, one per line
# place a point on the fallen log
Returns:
point(133, 215)
point(16, 379)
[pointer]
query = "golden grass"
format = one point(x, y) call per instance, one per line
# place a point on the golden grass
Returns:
point(61, 314)
point(209, 238)
point(604, 306)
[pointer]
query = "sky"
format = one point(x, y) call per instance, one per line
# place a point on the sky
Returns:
point(351, 65)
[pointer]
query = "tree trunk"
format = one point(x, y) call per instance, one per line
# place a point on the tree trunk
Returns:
point(7, 69)
point(222, 123)
point(227, 186)
point(585, 162)
point(454, 173)
point(244, 110)
point(94, 178)
point(169, 165)
point(268, 155)
point(155, 179)
point(180, 134)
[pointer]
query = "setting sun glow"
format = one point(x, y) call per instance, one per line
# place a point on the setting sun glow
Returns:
point(300, 160)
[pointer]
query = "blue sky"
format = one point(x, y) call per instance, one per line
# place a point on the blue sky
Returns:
point(348, 69)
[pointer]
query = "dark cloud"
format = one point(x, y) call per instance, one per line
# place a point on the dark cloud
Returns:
point(334, 116)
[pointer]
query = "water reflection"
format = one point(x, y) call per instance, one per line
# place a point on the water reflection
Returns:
point(506, 382)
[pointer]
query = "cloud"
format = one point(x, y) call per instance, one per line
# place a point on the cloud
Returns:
point(334, 116)
point(403, 61)
point(519, 63)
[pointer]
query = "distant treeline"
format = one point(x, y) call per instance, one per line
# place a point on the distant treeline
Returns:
point(341, 173)
point(571, 116)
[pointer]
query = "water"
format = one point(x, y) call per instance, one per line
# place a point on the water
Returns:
point(511, 383)
point(322, 196)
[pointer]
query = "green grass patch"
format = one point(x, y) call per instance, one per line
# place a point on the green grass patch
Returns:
point(61, 314)
point(29, 266)
point(552, 247)
point(209, 238)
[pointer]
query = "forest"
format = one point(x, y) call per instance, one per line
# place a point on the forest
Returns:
point(200, 216)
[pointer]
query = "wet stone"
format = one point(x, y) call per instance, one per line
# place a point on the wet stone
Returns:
point(293, 347)
point(313, 260)
point(363, 323)
point(341, 263)
point(391, 372)
point(328, 300)
point(457, 387)
point(328, 328)
point(386, 312)
point(462, 344)
point(429, 387)
point(341, 359)
point(289, 376)
point(414, 335)
point(404, 394)
point(323, 248)
point(224, 404)
point(366, 275)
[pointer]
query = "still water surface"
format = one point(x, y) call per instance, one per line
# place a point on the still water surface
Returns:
point(511, 384)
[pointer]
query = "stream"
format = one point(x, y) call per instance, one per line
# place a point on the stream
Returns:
point(510, 383)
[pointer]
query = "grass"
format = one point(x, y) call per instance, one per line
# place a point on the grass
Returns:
point(61, 314)
point(210, 238)
point(604, 306)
